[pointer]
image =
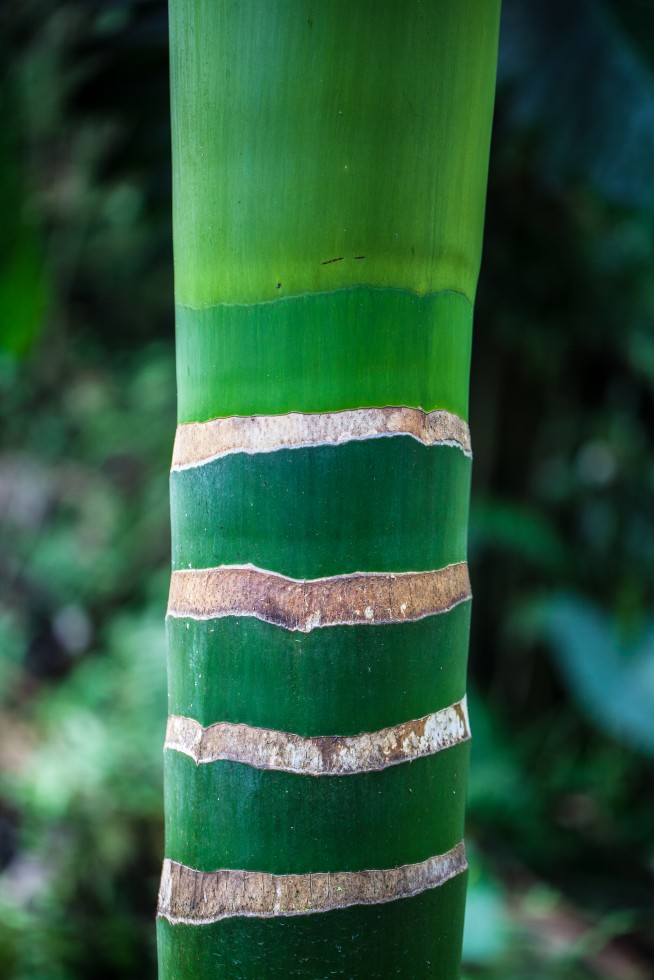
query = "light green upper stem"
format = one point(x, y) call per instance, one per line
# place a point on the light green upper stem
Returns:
point(272, 178)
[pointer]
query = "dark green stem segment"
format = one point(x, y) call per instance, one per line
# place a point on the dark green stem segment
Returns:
point(330, 167)
point(375, 941)
point(284, 510)
point(334, 680)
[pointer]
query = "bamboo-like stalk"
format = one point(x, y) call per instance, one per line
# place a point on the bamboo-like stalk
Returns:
point(330, 165)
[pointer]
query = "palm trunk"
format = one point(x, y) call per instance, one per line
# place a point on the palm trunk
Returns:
point(329, 180)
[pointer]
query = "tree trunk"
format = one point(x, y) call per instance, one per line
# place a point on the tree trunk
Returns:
point(330, 166)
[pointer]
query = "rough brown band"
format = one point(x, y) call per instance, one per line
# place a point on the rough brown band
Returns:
point(197, 443)
point(326, 755)
point(361, 598)
point(194, 897)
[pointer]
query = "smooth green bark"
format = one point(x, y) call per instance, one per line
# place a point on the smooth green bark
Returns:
point(228, 815)
point(304, 131)
point(407, 509)
point(324, 352)
point(246, 671)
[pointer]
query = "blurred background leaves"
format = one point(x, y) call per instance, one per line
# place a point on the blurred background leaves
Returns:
point(562, 524)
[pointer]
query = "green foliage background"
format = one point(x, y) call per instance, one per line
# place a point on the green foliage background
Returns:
point(562, 530)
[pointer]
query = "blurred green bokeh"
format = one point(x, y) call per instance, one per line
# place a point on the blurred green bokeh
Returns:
point(562, 529)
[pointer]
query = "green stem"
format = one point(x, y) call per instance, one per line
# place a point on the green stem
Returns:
point(329, 180)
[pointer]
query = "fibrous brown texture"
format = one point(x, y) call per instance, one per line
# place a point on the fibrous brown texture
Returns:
point(199, 897)
point(326, 755)
point(361, 598)
point(200, 442)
